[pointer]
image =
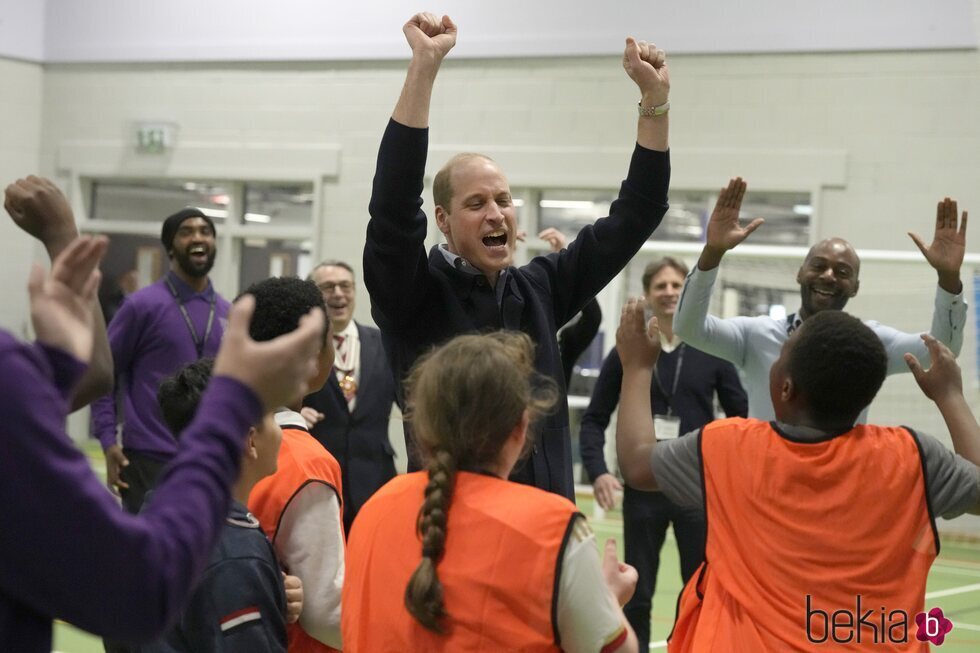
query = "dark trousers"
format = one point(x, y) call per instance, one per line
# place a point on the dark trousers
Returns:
point(141, 473)
point(646, 516)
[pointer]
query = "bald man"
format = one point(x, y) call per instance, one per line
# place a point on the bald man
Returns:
point(828, 278)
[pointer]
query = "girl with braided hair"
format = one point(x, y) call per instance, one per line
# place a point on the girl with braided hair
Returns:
point(503, 566)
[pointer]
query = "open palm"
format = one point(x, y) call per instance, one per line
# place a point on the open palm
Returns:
point(948, 247)
point(725, 231)
point(62, 301)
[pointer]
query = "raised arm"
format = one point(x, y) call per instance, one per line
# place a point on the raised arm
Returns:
point(722, 338)
point(38, 207)
point(636, 440)
point(170, 542)
point(646, 64)
point(945, 255)
point(395, 265)
point(943, 383)
point(431, 39)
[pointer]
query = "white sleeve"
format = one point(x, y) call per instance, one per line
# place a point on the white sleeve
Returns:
point(948, 320)
point(589, 618)
point(310, 545)
point(725, 339)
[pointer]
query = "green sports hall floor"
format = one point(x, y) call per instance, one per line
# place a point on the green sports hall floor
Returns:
point(954, 586)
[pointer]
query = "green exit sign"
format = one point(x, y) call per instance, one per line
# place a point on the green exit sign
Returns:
point(155, 137)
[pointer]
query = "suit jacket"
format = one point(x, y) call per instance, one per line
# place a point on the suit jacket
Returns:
point(359, 440)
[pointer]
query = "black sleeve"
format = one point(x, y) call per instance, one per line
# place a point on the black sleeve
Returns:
point(576, 337)
point(601, 250)
point(240, 606)
point(605, 398)
point(395, 262)
point(731, 395)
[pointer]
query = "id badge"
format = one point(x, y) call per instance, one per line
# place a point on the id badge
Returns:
point(667, 428)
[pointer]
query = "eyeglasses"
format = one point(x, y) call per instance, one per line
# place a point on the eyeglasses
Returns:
point(344, 286)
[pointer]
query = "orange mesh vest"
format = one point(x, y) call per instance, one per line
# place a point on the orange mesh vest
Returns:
point(499, 572)
point(302, 460)
point(797, 531)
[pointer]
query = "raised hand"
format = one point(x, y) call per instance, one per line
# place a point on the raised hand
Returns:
point(948, 247)
point(428, 34)
point(620, 577)
point(637, 341)
point(725, 231)
point(555, 239)
point(62, 301)
point(646, 65)
point(278, 369)
point(943, 378)
point(41, 209)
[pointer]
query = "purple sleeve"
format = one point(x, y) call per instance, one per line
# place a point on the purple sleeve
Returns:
point(123, 332)
point(128, 574)
point(67, 369)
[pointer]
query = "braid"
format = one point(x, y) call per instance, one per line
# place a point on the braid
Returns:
point(423, 596)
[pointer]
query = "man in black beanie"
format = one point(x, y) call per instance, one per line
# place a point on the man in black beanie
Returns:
point(157, 330)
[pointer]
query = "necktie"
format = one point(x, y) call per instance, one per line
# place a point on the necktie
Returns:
point(346, 381)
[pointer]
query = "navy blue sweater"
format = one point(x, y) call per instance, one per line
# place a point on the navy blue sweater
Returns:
point(419, 301)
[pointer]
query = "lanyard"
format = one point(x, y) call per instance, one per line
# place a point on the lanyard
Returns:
point(198, 343)
point(790, 323)
point(677, 376)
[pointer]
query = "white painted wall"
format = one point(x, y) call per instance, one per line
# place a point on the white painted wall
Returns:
point(20, 138)
point(879, 136)
point(231, 30)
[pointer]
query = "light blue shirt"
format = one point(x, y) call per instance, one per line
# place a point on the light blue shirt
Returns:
point(753, 344)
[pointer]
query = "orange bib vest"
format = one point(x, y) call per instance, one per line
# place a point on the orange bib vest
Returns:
point(503, 554)
point(810, 545)
point(301, 460)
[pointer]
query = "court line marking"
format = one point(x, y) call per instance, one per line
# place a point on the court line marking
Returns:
point(953, 591)
point(955, 571)
point(966, 626)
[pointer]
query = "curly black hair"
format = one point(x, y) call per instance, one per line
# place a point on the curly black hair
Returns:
point(280, 302)
point(838, 363)
point(180, 394)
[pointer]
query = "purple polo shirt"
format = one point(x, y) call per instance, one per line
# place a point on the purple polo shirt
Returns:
point(150, 340)
point(68, 551)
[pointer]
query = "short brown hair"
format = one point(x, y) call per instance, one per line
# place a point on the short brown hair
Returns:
point(654, 267)
point(442, 187)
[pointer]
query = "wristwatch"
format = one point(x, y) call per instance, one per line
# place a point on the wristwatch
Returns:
point(653, 111)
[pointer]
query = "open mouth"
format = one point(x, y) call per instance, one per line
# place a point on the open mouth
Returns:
point(198, 253)
point(823, 292)
point(496, 239)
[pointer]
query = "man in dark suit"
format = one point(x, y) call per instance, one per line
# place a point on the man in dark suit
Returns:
point(349, 415)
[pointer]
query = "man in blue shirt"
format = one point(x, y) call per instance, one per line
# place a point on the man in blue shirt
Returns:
point(828, 278)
